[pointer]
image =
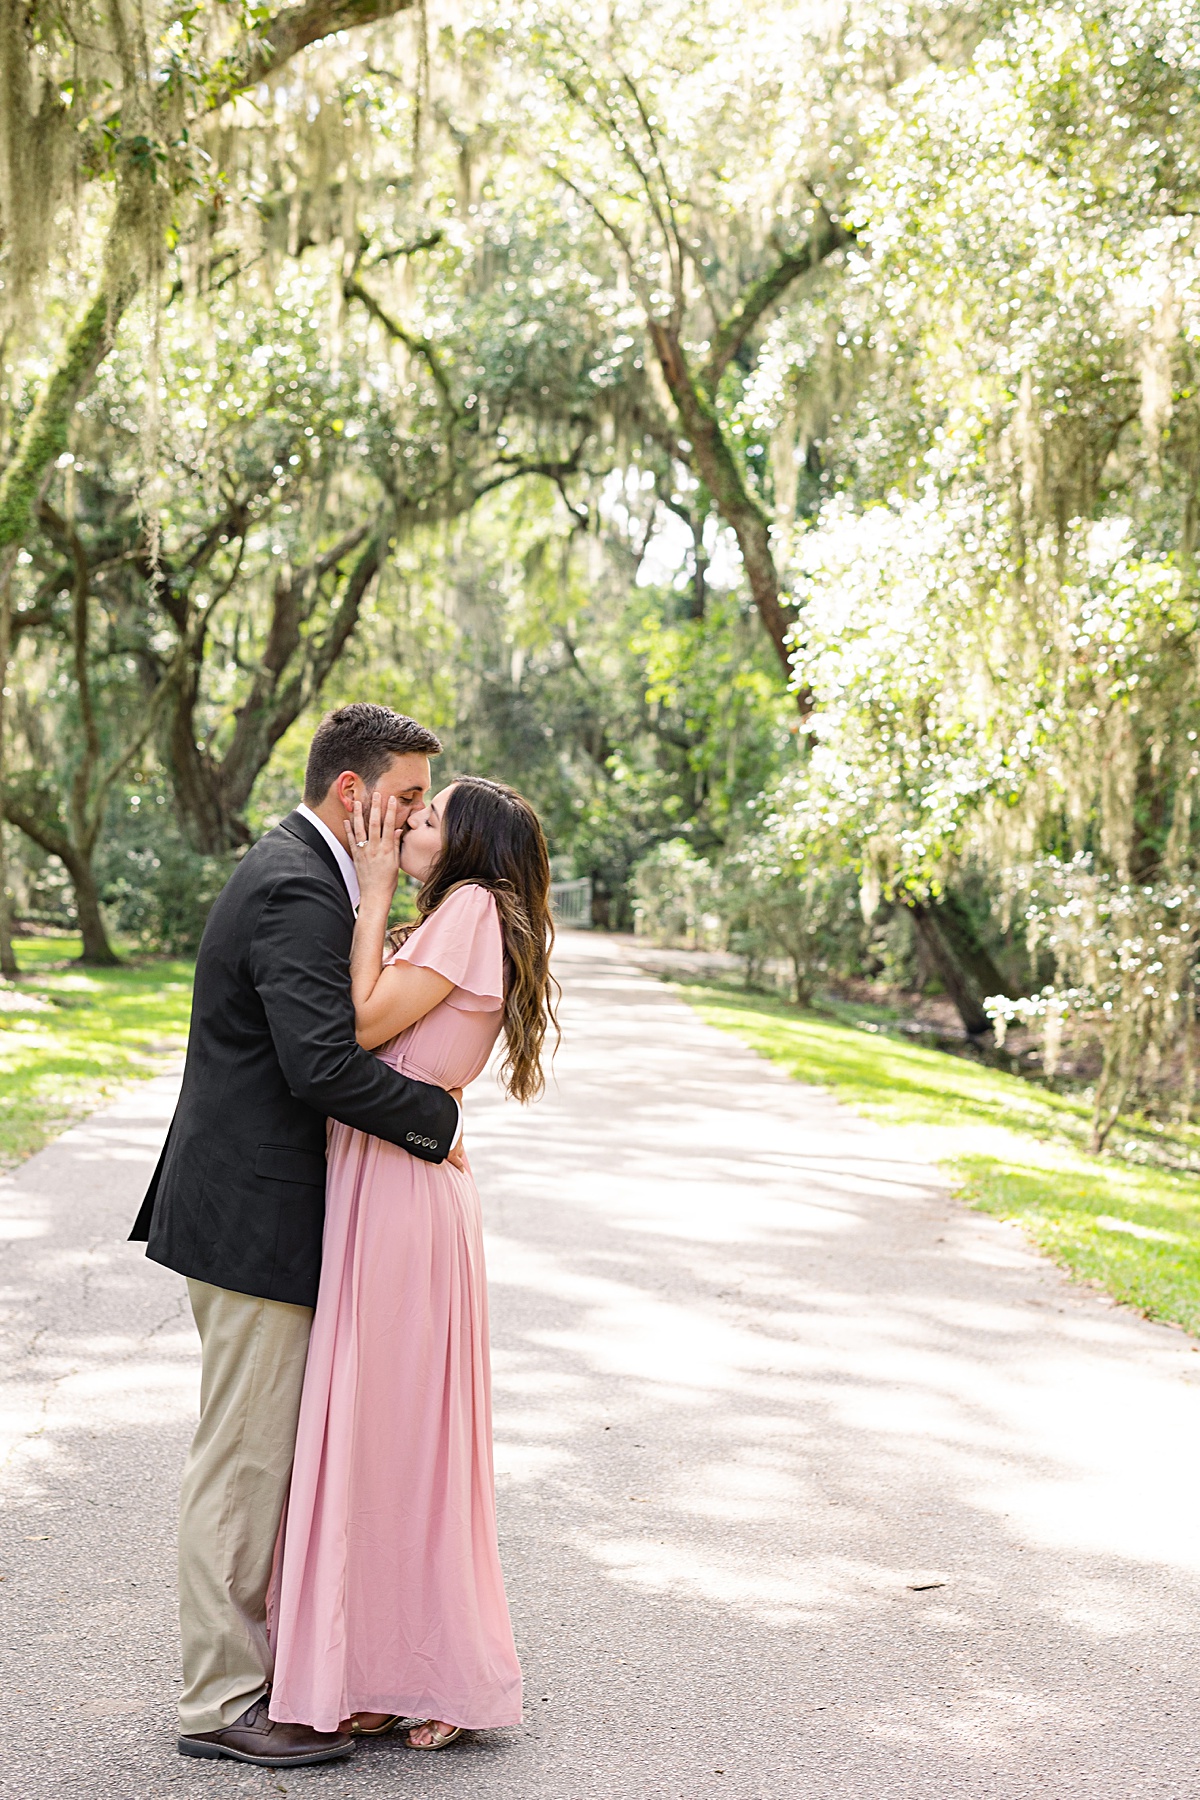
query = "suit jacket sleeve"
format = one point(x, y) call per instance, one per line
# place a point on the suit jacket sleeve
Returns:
point(300, 966)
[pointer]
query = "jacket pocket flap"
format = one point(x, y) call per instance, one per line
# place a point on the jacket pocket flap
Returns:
point(280, 1162)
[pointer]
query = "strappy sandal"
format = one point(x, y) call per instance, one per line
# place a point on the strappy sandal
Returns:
point(440, 1739)
point(366, 1731)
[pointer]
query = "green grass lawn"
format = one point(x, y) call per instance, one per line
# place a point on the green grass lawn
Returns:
point(93, 1030)
point(1015, 1149)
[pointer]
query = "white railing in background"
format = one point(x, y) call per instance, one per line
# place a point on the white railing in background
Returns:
point(571, 902)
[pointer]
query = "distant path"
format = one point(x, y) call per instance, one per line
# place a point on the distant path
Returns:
point(758, 1382)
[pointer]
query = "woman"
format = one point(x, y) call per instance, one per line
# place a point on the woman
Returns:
point(388, 1600)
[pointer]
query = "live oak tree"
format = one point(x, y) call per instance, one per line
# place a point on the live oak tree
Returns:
point(104, 117)
point(283, 494)
point(1004, 643)
point(704, 251)
point(99, 118)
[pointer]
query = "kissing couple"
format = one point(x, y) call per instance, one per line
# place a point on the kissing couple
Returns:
point(338, 1564)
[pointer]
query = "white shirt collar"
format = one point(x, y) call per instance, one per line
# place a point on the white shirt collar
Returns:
point(345, 861)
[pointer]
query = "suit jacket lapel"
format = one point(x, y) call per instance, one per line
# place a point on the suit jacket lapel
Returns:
point(299, 827)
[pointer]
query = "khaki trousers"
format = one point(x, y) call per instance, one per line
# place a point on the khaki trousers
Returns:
point(235, 1483)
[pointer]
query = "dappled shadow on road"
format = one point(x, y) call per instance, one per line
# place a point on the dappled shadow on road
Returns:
point(751, 1362)
point(96, 1405)
point(811, 1483)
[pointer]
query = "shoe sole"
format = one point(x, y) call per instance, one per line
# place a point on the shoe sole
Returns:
point(217, 1752)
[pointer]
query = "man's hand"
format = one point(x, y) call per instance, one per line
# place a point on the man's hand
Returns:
point(458, 1156)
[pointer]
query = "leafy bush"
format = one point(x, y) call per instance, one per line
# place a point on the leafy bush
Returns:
point(157, 890)
point(782, 905)
point(677, 898)
point(787, 894)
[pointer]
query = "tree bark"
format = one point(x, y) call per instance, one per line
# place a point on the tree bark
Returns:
point(8, 957)
point(78, 864)
point(278, 696)
point(210, 795)
point(195, 777)
point(292, 30)
point(44, 438)
point(695, 396)
point(960, 984)
point(96, 946)
point(958, 929)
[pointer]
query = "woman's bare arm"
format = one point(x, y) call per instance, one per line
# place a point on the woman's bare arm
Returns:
point(389, 1000)
point(402, 994)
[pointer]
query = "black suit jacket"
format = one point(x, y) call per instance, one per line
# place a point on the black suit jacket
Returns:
point(238, 1197)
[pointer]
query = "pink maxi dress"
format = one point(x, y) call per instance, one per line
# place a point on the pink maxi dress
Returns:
point(388, 1595)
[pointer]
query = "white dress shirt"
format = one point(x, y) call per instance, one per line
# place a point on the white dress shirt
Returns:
point(345, 861)
point(349, 874)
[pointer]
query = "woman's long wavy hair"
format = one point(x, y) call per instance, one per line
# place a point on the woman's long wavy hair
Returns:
point(490, 835)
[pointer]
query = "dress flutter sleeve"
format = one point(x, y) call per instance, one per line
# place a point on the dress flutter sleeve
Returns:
point(462, 940)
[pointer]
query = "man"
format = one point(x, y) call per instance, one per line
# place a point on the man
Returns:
point(237, 1204)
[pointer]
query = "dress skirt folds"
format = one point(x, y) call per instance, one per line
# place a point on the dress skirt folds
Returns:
point(388, 1595)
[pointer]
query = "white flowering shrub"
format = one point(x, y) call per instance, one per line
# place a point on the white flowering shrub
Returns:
point(1126, 960)
point(1037, 714)
point(960, 710)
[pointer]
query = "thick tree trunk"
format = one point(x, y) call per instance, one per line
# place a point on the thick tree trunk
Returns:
point(195, 779)
point(78, 863)
point(717, 468)
point(211, 796)
point(962, 986)
point(973, 956)
point(8, 959)
point(280, 691)
point(96, 946)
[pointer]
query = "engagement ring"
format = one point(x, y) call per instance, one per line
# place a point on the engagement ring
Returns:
point(361, 842)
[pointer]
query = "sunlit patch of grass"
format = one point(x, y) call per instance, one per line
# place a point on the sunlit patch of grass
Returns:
point(1133, 1230)
point(885, 1075)
point(79, 1034)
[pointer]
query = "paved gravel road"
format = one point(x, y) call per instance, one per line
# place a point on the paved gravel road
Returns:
point(812, 1483)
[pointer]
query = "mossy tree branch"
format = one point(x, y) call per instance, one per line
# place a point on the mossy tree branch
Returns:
point(44, 438)
point(714, 461)
point(291, 673)
point(827, 235)
point(704, 444)
point(413, 342)
point(211, 791)
point(695, 395)
point(291, 30)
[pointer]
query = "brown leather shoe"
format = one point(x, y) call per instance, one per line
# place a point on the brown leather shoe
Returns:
point(257, 1738)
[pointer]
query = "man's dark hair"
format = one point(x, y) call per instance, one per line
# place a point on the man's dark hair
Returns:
point(364, 738)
